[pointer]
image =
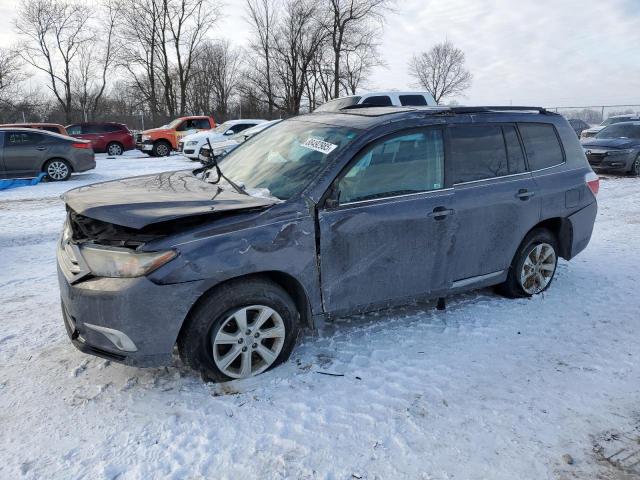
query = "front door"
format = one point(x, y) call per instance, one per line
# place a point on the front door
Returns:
point(387, 240)
point(24, 153)
point(496, 201)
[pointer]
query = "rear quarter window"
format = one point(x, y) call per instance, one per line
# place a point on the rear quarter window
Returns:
point(541, 145)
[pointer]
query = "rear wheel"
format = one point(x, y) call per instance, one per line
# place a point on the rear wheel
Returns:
point(114, 149)
point(57, 170)
point(533, 267)
point(161, 149)
point(242, 329)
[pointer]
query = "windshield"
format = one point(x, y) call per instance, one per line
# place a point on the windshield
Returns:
point(223, 127)
point(621, 130)
point(337, 104)
point(613, 120)
point(286, 157)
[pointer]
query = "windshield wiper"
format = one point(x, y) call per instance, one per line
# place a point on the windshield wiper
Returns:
point(213, 163)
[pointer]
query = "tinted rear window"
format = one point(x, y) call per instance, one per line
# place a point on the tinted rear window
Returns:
point(541, 144)
point(113, 128)
point(412, 100)
point(378, 101)
point(477, 153)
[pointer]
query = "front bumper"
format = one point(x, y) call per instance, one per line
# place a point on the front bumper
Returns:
point(144, 146)
point(148, 314)
point(604, 162)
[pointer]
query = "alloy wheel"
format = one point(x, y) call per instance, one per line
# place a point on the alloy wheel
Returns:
point(162, 150)
point(114, 149)
point(538, 268)
point(249, 341)
point(57, 170)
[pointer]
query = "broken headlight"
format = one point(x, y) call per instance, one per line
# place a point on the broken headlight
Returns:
point(123, 262)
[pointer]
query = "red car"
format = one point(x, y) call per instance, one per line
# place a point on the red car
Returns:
point(109, 137)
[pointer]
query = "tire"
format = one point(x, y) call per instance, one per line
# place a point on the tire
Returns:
point(114, 149)
point(537, 279)
point(635, 167)
point(161, 148)
point(57, 170)
point(212, 337)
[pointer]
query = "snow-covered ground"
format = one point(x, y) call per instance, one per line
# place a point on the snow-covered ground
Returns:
point(489, 389)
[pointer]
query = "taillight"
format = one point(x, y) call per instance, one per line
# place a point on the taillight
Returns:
point(593, 182)
point(81, 145)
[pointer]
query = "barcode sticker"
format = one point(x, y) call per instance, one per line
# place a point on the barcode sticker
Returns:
point(319, 145)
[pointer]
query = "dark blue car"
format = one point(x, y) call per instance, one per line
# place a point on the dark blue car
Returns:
point(322, 215)
point(615, 148)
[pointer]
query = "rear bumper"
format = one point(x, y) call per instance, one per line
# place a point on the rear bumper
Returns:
point(84, 164)
point(147, 314)
point(582, 227)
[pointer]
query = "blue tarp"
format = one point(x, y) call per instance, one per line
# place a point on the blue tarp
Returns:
point(20, 182)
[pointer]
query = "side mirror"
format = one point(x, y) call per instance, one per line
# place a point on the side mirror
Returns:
point(333, 200)
point(229, 132)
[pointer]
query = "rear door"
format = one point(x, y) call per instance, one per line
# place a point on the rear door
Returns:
point(388, 239)
point(496, 202)
point(24, 152)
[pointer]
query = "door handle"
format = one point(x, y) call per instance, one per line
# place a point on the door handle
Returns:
point(41, 148)
point(524, 194)
point(440, 213)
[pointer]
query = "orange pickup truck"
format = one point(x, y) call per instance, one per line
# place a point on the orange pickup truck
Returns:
point(159, 142)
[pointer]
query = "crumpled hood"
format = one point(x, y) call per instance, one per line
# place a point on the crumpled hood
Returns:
point(611, 143)
point(202, 136)
point(140, 201)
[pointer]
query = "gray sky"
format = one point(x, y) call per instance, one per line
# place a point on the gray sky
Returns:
point(542, 52)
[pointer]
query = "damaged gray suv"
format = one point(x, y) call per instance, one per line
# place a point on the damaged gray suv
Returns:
point(323, 215)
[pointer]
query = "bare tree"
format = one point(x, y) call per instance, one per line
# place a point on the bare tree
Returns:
point(55, 31)
point(262, 16)
point(345, 18)
point(441, 71)
point(96, 59)
point(187, 22)
point(140, 23)
point(298, 38)
point(10, 74)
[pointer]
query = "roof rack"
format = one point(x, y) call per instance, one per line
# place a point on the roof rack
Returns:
point(461, 110)
point(540, 110)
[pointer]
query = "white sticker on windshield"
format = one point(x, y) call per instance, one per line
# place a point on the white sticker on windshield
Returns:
point(319, 145)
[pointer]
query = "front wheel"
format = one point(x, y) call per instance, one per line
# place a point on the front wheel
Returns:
point(533, 266)
point(242, 329)
point(57, 170)
point(161, 149)
point(635, 167)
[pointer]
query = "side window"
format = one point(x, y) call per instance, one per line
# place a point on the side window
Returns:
point(404, 163)
point(514, 150)
point(184, 126)
point(50, 129)
point(201, 124)
point(541, 144)
point(112, 128)
point(477, 153)
point(242, 126)
point(378, 101)
point(91, 128)
point(15, 139)
point(74, 130)
point(412, 100)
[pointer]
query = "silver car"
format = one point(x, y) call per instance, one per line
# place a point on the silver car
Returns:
point(26, 152)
